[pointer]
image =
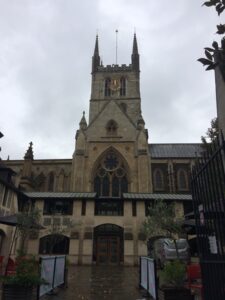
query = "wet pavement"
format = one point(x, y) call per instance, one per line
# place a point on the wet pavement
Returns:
point(100, 282)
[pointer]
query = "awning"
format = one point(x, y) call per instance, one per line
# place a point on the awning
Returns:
point(54, 195)
point(154, 196)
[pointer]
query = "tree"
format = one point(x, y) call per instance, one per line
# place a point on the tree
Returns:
point(211, 134)
point(215, 56)
point(162, 221)
point(27, 224)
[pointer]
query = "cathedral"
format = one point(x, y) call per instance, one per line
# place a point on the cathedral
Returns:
point(114, 175)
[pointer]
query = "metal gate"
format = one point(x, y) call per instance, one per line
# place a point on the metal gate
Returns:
point(208, 191)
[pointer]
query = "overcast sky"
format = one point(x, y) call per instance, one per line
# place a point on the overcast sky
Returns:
point(45, 63)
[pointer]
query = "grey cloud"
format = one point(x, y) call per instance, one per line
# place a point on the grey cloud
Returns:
point(45, 65)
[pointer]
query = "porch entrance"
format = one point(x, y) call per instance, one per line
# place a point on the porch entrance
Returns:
point(108, 244)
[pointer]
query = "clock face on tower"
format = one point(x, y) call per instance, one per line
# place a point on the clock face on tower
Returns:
point(115, 84)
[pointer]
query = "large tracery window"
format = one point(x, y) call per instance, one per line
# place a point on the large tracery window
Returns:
point(111, 177)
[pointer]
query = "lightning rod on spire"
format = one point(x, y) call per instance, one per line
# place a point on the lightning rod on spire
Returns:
point(116, 44)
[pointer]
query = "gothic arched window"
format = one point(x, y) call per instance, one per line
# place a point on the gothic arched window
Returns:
point(122, 86)
point(123, 107)
point(111, 127)
point(182, 180)
point(111, 176)
point(40, 182)
point(107, 87)
point(51, 180)
point(158, 178)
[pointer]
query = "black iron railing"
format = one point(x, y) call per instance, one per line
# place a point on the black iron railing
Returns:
point(208, 191)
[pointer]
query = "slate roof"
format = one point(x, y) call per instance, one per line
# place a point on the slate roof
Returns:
point(41, 195)
point(175, 150)
point(148, 196)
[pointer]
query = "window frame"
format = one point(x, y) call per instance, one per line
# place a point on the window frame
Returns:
point(158, 171)
point(115, 207)
point(49, 207)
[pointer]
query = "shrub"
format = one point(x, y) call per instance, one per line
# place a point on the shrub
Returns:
point(26, 273)
point(174, 273)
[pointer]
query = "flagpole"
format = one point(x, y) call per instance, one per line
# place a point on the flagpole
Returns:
point(116, 44)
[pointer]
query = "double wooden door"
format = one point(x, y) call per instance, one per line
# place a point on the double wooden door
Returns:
point(108, 250)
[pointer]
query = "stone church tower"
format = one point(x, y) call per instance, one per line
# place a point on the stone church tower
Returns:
point(111, 154)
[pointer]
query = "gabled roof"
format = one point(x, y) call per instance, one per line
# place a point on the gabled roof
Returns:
point(175, 150)
point(53, 195)
point(103, 108)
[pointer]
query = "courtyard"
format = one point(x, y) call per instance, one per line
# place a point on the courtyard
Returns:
point(101, 282)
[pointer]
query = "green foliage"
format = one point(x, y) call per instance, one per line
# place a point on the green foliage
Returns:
point(174, 273)
point(27, 273)
point(211, 134)
point(162, 221)
point(216, 55)
point(219, 5)
point(28, 223)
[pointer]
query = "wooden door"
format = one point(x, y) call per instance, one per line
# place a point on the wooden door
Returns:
point(108, 250)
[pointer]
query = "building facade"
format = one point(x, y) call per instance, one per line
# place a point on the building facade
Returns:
point(105, 190)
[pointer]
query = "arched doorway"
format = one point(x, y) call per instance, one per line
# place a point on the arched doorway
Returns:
point(54, 244)
point(108, 244)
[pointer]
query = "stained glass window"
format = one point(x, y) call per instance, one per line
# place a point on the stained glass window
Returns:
point(115, 186)
point(111, 177)
point(158, 180)
point(182, 180)
point(105, 186)
point(51, 182)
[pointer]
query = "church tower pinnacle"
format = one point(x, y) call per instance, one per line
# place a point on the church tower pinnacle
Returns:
point(135, 55)
point(95, 57)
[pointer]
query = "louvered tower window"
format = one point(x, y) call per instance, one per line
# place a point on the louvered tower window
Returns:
point(122, 86)
point(107, 87)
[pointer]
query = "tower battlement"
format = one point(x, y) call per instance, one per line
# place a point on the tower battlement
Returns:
point(114, 68)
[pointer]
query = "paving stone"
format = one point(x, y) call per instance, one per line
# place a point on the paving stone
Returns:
point(99, 283)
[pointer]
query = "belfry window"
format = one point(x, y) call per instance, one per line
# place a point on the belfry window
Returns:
point(111, 127)
point(107, 87)
point(111, 177)
point(122, 86)
point(158, 178)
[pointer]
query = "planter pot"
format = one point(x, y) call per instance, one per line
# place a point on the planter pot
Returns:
point(16, 292)
point(174, 294)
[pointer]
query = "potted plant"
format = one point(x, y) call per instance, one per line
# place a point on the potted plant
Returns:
point(172, 282)
point(20, 284)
